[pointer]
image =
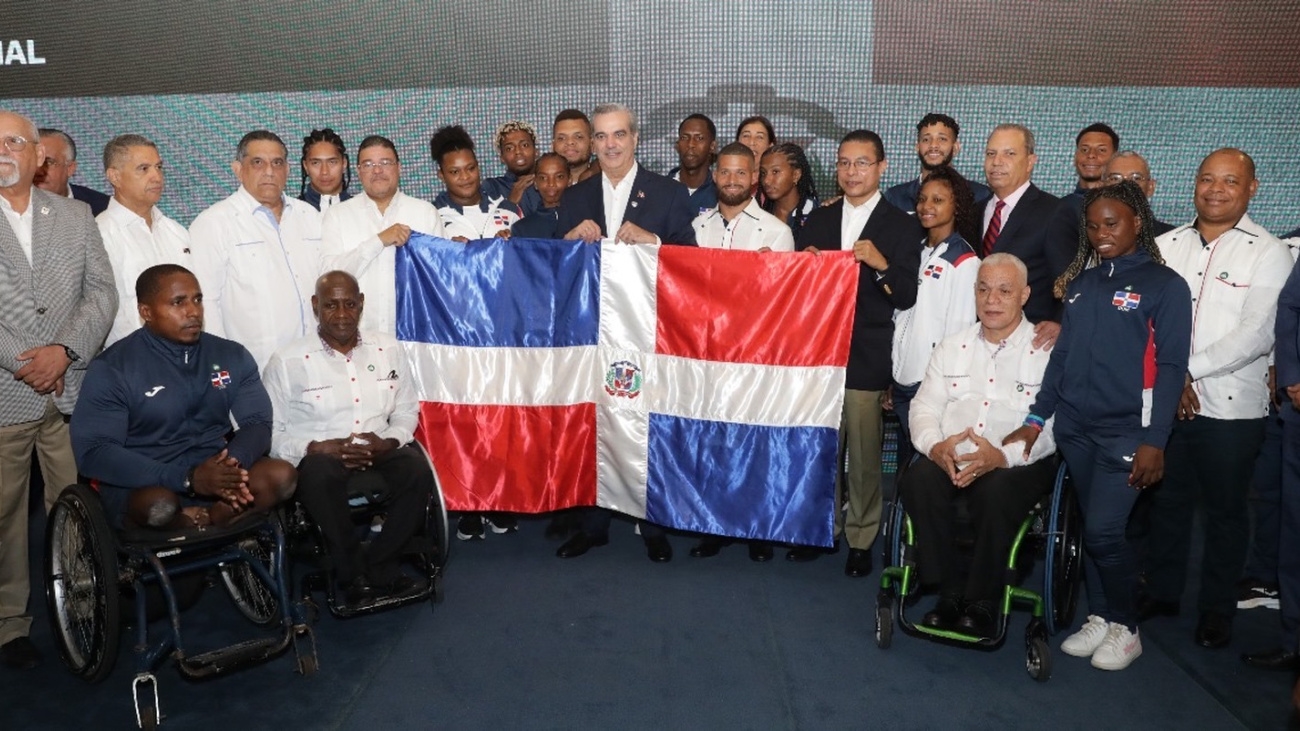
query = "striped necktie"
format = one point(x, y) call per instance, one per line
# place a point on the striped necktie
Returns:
point(995, 228)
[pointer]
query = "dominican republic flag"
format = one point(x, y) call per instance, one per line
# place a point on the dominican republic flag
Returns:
point(699, 389)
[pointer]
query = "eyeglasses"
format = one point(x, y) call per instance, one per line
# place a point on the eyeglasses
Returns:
point(861, 164)
point(15, 144)
point(369, 165)
point(52, 163)
point(1121, 177)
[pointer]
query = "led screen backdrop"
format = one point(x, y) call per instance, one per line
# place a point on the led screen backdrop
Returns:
point(1176, 78)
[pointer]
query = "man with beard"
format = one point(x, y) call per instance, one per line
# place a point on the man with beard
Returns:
point(936, 146)
point(56, 303)
point(571, 139)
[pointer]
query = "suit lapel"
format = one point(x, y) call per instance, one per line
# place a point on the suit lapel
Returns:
point(43, 243)
point(636, 199)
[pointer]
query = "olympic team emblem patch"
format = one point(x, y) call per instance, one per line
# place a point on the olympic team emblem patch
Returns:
point(220, 379)
point(623, 380)
point(1125, 301)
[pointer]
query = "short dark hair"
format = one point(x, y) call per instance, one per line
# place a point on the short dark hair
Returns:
point(737, 148)
point(378, 141)
point(255, 136)
point(937, 118)
point(866, 135)
point(553, 156)
point(767, 125)
point(570, 114)
point(117, 148)
point(330, 136)
point(452, 138)
point(713, 130)
point(1103, 128)
point(67, 140)
point(149, 283)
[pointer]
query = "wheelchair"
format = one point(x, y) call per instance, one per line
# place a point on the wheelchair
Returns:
point(1052, 531)
point(426, 552)
point(94, 573)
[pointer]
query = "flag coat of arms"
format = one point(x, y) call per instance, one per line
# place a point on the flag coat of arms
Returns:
point(698, 389)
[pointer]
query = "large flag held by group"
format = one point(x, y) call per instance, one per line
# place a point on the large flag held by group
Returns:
point(699, 389)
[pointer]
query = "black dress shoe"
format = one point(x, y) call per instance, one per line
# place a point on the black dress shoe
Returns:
point(760, 551)
point(1214, 630)
point(399, 586)
point(804, 554)
point(858, 564)
point(1275, 659)
point(658, 549)
point(579, 544)
point(977, 619)
point(560, 526)
point(1148, 608)
point(945, 614)
point(20, 654)
point(708, 546)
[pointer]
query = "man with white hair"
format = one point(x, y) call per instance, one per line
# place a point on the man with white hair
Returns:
point(57, 301)
point(977, 389)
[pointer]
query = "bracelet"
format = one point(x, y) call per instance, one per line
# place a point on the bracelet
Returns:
point(1035, 422)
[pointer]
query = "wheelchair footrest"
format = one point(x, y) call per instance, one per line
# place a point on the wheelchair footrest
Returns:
point(418, 593)
point(234, 657)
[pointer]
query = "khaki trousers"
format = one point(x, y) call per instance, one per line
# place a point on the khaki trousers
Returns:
point(49, 436)
point(860, 443)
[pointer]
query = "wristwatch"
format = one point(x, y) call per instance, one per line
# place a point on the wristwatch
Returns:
point(189, 484)
point(72, 354)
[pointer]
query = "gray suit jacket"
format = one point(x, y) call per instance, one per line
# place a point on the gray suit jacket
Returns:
point(66, 296)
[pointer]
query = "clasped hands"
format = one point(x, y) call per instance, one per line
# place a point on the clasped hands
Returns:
point(357, 451)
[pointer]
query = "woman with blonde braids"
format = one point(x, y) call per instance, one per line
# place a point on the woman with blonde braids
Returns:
point(1113, 384)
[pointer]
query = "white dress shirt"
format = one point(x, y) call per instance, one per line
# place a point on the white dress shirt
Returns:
point(945, 304)
point(350, 241)
point(318, 393)
point(1235, 282)
point(133, 246)
point(257, 274)
point(987, 387)
point(854, 219)
point(752, 229)
point(21, 223)
point(616, 198)
point(483, 221)
point(1009, 204)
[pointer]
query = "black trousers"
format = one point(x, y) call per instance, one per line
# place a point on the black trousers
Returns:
point(998, 503)
point(323, 485)
point(595, 523)
point(1210, 461)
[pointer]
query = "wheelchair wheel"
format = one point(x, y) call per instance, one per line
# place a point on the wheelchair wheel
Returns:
point(251, 596)
point(82, 584)
point(436, 524)
point(1038, 659)
point(1064, 553)
point(884, 627)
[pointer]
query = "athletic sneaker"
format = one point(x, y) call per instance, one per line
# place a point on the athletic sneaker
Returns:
point(1086, 641)
point(502, 522)
point(1120, 648)
point(1256, 594)
point(470, 527)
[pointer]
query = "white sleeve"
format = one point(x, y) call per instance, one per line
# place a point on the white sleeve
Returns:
point(211, 257)
point(353, 257)
point(926, 412)
point(1253, 336)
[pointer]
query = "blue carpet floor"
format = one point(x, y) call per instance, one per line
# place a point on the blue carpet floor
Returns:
point(609, 640)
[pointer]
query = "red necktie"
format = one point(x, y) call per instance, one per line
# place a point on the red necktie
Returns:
point(995, 228)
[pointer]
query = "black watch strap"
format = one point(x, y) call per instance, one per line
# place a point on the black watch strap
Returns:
point(72, 354)
point(189, 484)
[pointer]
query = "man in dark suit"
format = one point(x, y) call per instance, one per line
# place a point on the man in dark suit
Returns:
point(1016, 221)
point(633, 206)
point(887, 243)
point(936, 146)
point(57, 300)
point(625, 202)
point(60, 165)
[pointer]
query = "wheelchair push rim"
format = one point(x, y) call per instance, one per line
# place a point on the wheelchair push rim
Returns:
point(82, 589)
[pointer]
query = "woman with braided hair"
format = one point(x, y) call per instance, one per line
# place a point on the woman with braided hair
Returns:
point(785, 180)
point(325, 170)
point(1113, 384)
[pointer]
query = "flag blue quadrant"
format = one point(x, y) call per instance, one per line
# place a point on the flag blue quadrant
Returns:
point(742, 480)
point(519, 293)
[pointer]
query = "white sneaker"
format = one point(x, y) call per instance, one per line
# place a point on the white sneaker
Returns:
point(1118, 650)
point(1086, 641)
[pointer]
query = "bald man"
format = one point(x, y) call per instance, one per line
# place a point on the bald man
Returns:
point(345, 404)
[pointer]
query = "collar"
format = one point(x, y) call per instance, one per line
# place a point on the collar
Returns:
point(1014, 197)
point(395, 200)
point(247, 202)
point(120, 214)
point(31, 203)
point(331, 352)
point(868, 203)
point(1244, 224)
point(185, 352)
point(628, 179)
point(1023, 332)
